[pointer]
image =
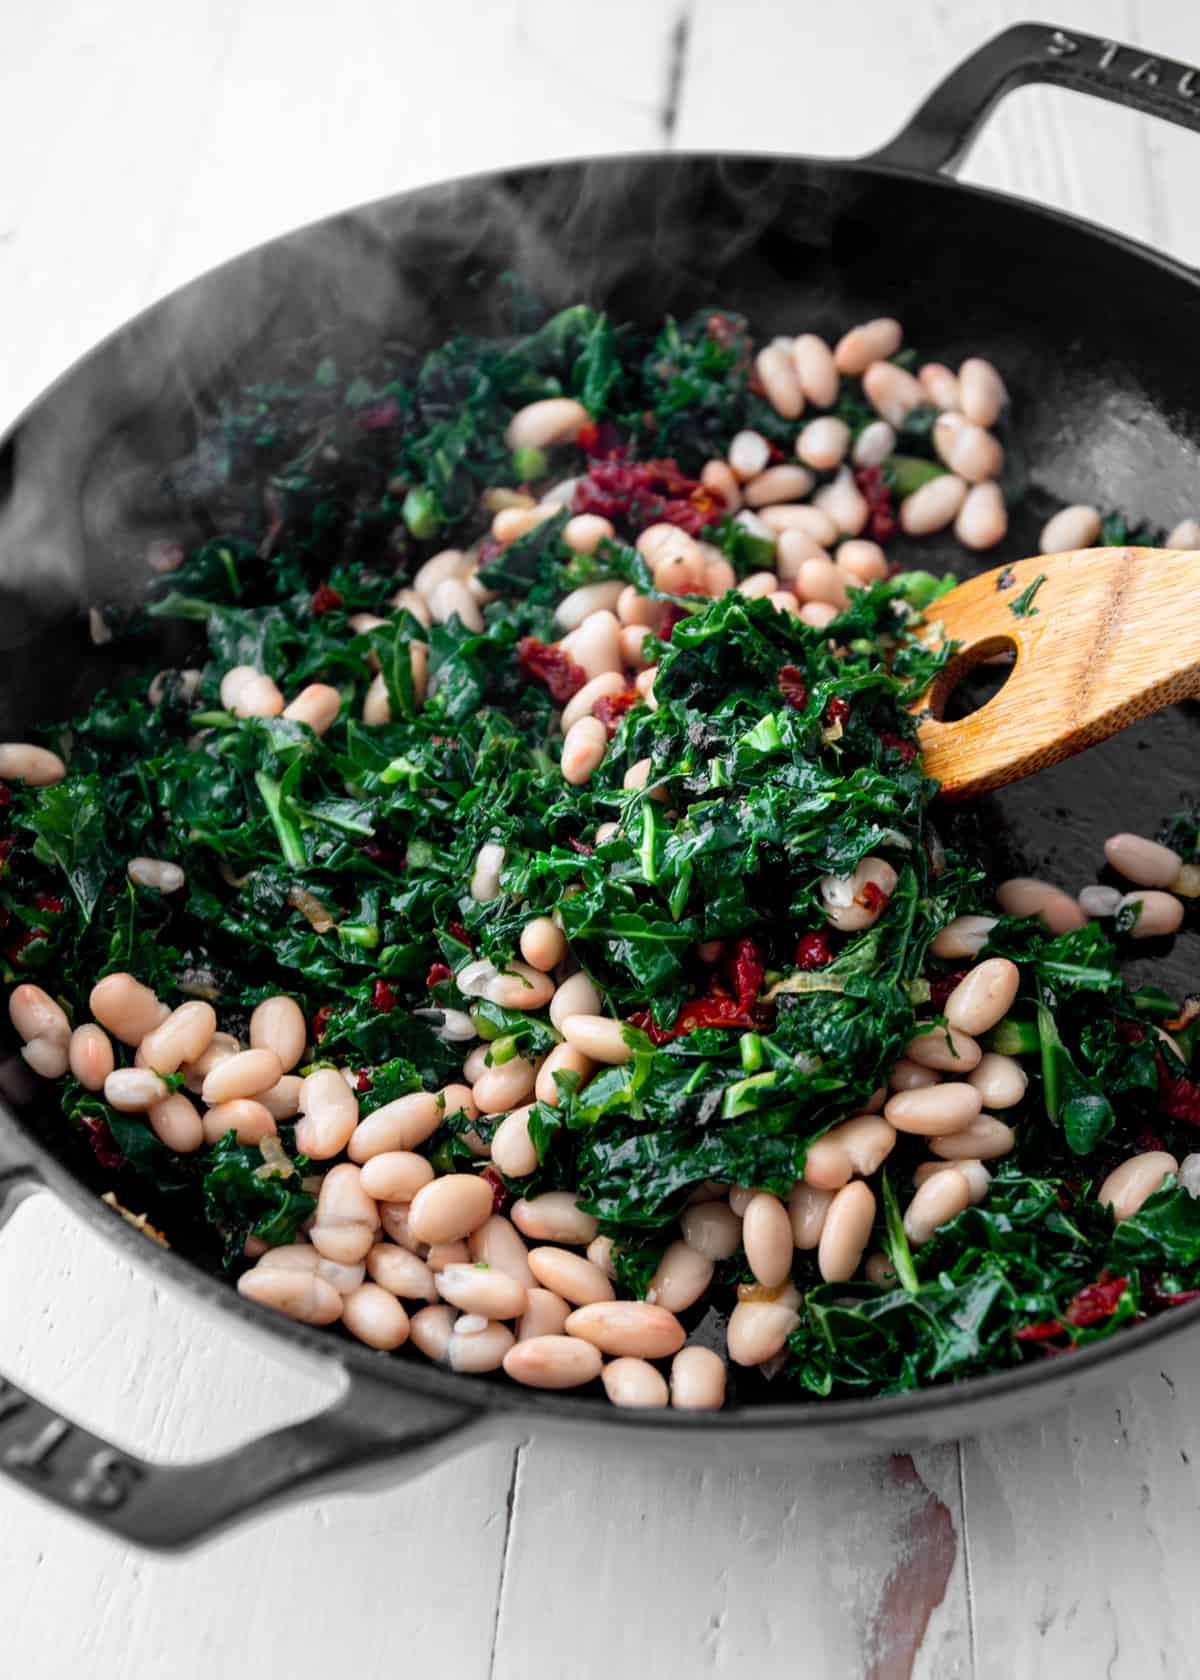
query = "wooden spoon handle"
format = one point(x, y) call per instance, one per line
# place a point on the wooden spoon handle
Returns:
point(1108, 636)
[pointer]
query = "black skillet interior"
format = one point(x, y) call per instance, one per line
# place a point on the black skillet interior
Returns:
point(1089, 334)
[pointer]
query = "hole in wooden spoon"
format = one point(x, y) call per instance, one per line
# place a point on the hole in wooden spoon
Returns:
point(972, 679)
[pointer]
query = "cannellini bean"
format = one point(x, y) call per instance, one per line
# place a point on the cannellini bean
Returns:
point(1128, 1186)
point(186, 1034)
point(607, 684)
point(1055, 909)
point(807, 1210)
point(377, 707)
point(482, 1350)
point(939, 384)
point(1000, 1080)
point(873, 341)
point(644, 683)
point(431, 1331)
point(574, 609)
point(251, 1120)
point(512, 1147)
point(48, 1057)
point(860, 1145)
point(520, 986)
point(554, 1217)
point(633, 646)
point(452, 599)
point(681, 1277)
point(740, 1197)
point(498, 1244)
point(983, 997)
point(792, 550)
point(908, 1075)
point(758, 1328)
point(128, 1009)
point(892, 392)
point(813, 521)
point(576, 996)
point(1158, 913)
point(779, 484)
point(934, 506)
point(634, 1383)
point(243, 1075)
point(90, 1056)
point(697, 1380)
point(297, 1294)
point(712, 1229)
point(600, 1253)
point(981, 391)
point(447, 563)
point(401, 1273)
point(878, 1269)
point(939, 1200)
point(844, 503)
point(596, 645)
point(748, 455)
point(873, 444)
point(254, 694)
point(400, 1125)
point(583, 750)
point(542, 424)
point(767, 1239)
point(222, 1046)
point(784, 601)
point(551, 1361)
point(154, 873)
point(1184, 535)
point(819, 579)
point(36, 766)
point(861, 562)
point(392, 1175)
point(845, 1232)
point(393, 1216)
point(816, 369)
point(1077, 526)
point(779, 379)
point(758, 585)
point(450, 1208)
point(636, 1328)
point(504, 1086)
point(975, 455)
point(965, 936)
point(328, 1114)
point(570, 1276)
point(375, 1316)
point(477, 1288)
point(485, 878)
point(411, 601)
point(564, 1058)
point(635, 609)
point(586, 531)
point(544, 1316)
point(853, 902)
point(817, 613)
point(978, 1178)
point(133, 1090)
point(599, 1037)
point(317, 705)
point(278, 1024)
point(946, 1049)
point(983, 518)
point(1144, 862)
point(1097, 901)
point(720, 478)
point(34, 1013)
point(949, 1107)
point(984, 1139)
point(664, 541)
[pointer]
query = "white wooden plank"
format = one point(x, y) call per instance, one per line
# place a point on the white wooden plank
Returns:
point(620, 1563)
point(333, 1581)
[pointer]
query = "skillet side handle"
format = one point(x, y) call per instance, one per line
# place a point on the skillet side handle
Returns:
point(372, 1433)
point(937, 137)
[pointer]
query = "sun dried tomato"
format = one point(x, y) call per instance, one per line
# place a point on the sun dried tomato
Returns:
point(792, 686)
point(377, 853)
point(882, 523)
point(837, 711)
point(588, 436)
point(1043, 1332)
point(871, 897)
point(1178, 1098)
point(727, 332)
point(381, 415)
point(580, 846)
point(383, 998)
point(457, 931)
point(1096, 1301)
point(320, 1022)
point(101, 1143)
point(940, 989)
point(362, 1080)
point(611, 708)
point(500, 1191)
point(814, 950)
point(323, 600)
point(1156, 1298)
point(22, 943)
point(646, 493)
point(746, 969)
point(438, 972)
point(671, 616)
point(644, 1021)
point(49, 902)
point(5, 795)
point(897, 744)
point(545, 663)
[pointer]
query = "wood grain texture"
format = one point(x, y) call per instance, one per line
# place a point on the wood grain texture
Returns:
point(1104, 637)
point(143, 143)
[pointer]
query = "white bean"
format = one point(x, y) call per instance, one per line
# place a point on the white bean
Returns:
point(447, 563)
point(820, 579)
point(844, 503)
point(636, 1328)
point(780, 484)
point(329, 1114)
point(598, 1037)
point(981, 391)
point(605, 686)
point(551, 1361)
point(873, 341)
point(892, 392)
point(450, 1208)
point(908, 1075)
point(583, 750)
point(35, 1014)
point(1000, 1080)
point(452, 599)
point(576, 996)
point(861, 562)
point(574, 609)
point(1134, 1181)
point(586, 531)
point(983, 997)
point(544, 1316)
point(542, 424)
point(243, 1075)
point(939, 385)
point(1144, 862)
point(1158, 913)
point(391, 1175)
point(758, 1329)
point(983, 518)
point(934, 506)
point(512, 1147)
point(767, 1239)
point(497, 1243)
point(940, 1109)
point(939, 1200)
point(779, 379)
point(974, 454)
point(36, 766)
point(873, 444)
point(128, 1009)
point(520, 986)
point(402, 1124)
point(317, 705)
point(845, 1232)
point(249, 1120)
point(564, 1058)
point(634, 1383)
point(570, 1276)
point(816, 369)
point(681, 1277)
point(748, 455)
point(297, 1294)
point(853, 902)
point(401, 1273)
point(48, 1057)
point(90, 1055)
point(945, 1049)
point(375, 1317)
point(504, 1086)
point(478, 1289)
point(484, 1350)
point(807, 1210)
point(984, 1139)
point(1077, 526)
point(1055, 909)
point(278, 1024)
point(554, 1217)
point(154, 873)
point(859, 1145)
point(965, 936)
point(712, 1229)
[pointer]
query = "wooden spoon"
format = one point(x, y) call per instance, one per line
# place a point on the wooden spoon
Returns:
point(1107, 636)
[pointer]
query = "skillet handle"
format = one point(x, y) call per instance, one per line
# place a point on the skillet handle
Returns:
point(372, 1430)
point(937, 137)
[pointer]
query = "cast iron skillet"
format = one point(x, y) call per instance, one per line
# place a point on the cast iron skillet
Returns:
point(1092, 333)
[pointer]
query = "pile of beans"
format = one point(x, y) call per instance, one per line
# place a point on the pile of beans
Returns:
point(398, 1254)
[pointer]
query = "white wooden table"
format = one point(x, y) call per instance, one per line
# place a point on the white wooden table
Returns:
point(141, 143)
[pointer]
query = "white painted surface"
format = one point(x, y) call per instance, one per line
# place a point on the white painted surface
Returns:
point(142, 143)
